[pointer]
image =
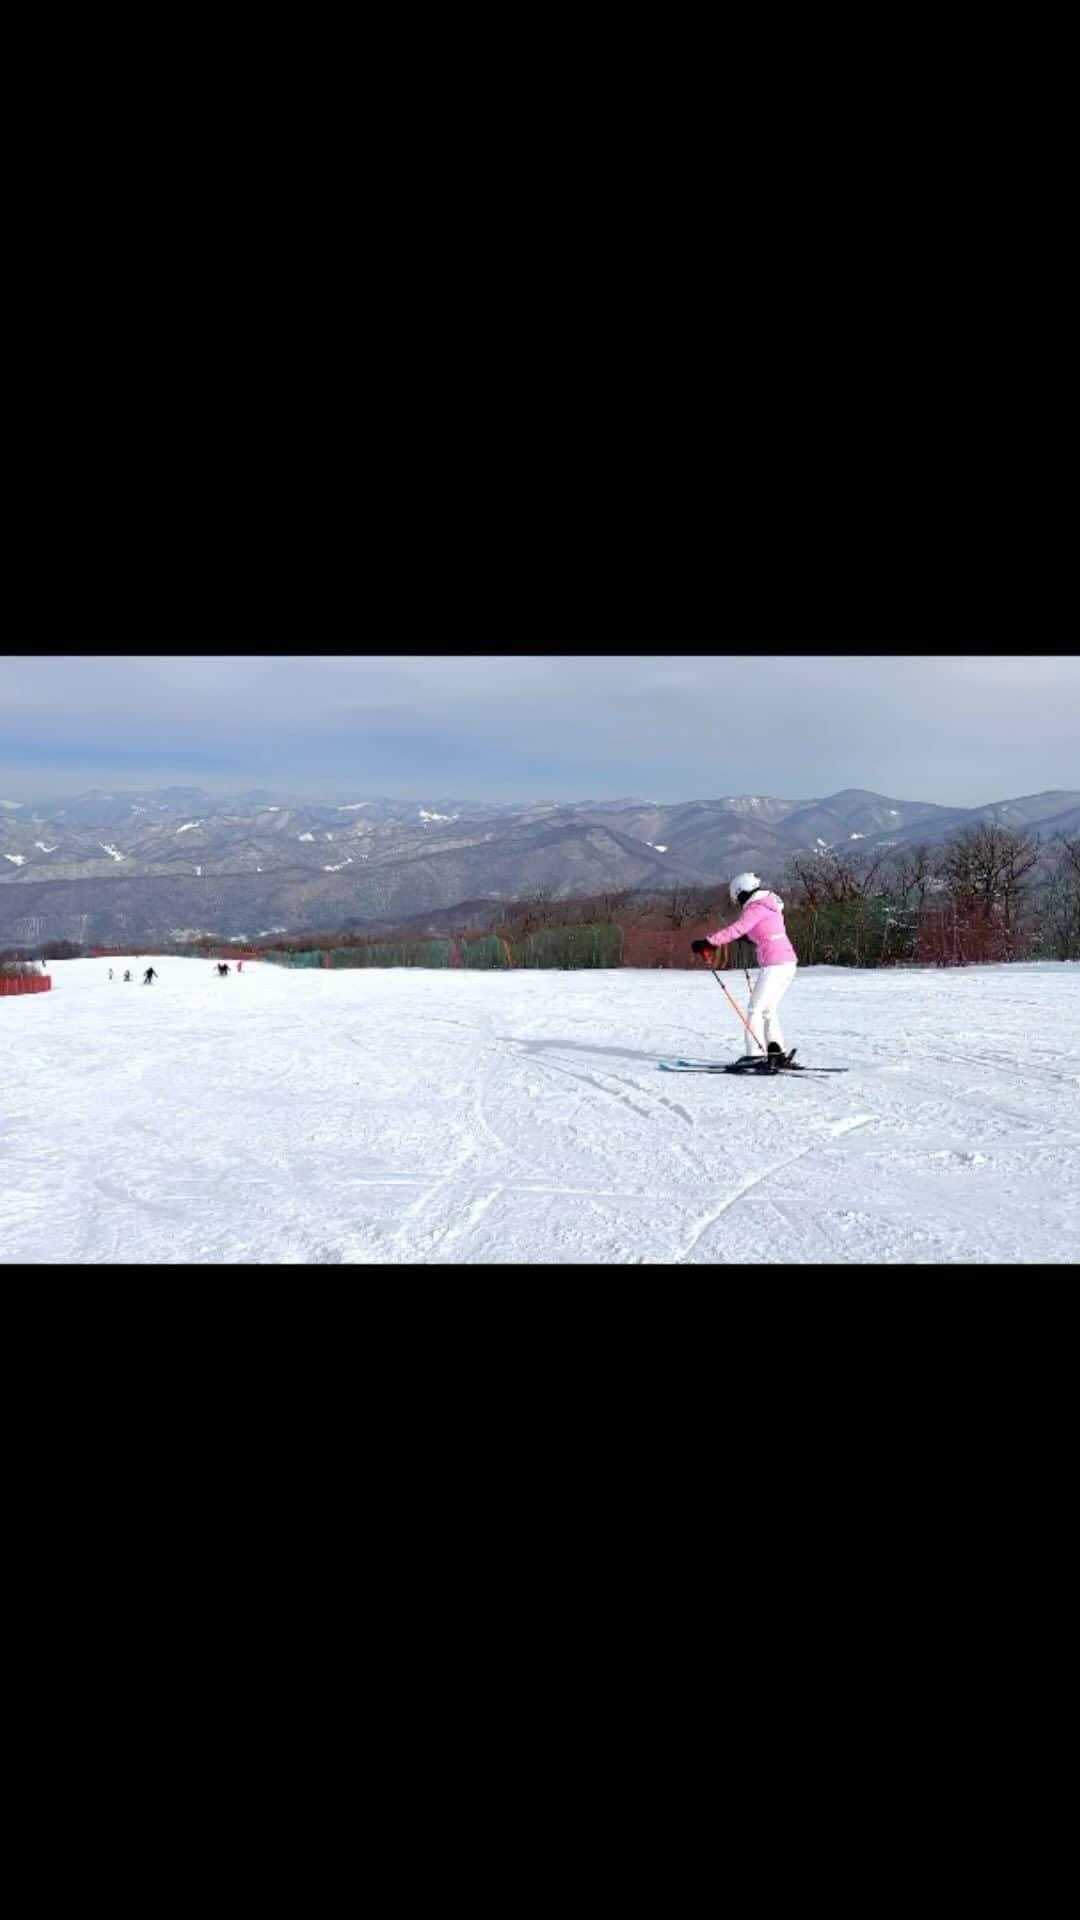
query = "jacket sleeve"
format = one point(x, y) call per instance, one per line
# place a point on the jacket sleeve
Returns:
point(747, 919)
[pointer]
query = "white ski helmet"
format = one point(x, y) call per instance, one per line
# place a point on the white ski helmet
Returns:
point(743, 883)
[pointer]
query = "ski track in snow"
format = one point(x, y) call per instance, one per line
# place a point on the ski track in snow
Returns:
point(310, 1117)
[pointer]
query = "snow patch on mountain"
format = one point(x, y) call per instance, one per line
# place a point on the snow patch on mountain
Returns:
point(187, 826)
point(44, 848)
point(347, 862)
point(354, 806)
point(305, 836)
point(113, 852)
point(17, 859)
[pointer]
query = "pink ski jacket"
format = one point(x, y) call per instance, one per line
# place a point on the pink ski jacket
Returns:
point(762, 921)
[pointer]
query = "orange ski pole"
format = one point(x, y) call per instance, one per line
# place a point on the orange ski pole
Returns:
point(738, 1009)
point(749, 990)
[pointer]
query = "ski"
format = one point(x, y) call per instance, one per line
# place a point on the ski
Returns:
point(746, 1062)
point(756, 1073)
point(762, 1068)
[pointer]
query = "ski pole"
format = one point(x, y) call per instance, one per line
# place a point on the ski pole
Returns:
point(737, 1008)
point(750, 990)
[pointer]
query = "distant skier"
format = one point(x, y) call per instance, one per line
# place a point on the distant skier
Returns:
point(239, 966)
point(223, 968)
point(110, 973)
point(127, 975)
point(149, 976)
point(762, 921)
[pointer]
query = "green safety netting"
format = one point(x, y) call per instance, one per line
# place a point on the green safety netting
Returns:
point(593, 946)
point(394, 953)
point(590, 946)
point(853, 933)
point(486, 952)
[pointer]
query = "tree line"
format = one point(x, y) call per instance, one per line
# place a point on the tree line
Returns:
point(989, 893)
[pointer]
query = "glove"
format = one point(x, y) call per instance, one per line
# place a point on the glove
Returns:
point(704, 947)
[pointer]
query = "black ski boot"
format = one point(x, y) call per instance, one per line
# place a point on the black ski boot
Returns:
point(778, 1058)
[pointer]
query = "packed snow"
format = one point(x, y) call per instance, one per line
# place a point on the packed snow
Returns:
point(414, 1116)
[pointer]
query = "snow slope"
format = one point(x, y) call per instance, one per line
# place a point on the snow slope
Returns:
point(428, 1117)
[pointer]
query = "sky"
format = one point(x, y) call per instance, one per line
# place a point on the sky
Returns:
point(959, 730)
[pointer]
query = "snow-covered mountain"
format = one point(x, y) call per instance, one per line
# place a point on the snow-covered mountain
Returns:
point(112, 867)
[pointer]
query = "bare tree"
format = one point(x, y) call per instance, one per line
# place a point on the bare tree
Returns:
point(1060, 903)
point(986, 860)
point(805, 882)
point(988, 865)
point(825, 879)
point(681, 903)
point(909, 872)
point(535, 911)
point(1069, 844)
point(613, 904)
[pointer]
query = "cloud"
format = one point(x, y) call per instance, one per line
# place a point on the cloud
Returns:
point(956, 729)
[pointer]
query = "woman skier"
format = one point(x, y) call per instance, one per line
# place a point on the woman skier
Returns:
point(762, 921)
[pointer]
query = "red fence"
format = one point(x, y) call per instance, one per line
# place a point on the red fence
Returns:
point(960, 935)
point(32, 983)
point(667, 947)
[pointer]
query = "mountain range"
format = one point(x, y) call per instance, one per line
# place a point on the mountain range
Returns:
point(134, 868)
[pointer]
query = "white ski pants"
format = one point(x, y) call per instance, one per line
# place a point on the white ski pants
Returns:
point(769, 989)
